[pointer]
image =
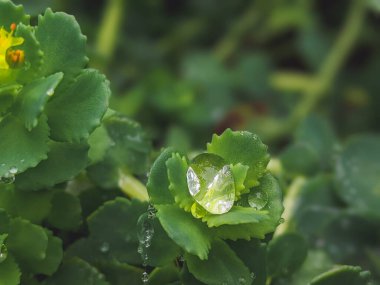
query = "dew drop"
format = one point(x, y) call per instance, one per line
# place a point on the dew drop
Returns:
point(105, 247)
point(145, 277)
point(242, 281)
point(253, 276)
point(211, 183)
point(145, 229)
point(3, 253)
point(50, 92)
point(258, 199)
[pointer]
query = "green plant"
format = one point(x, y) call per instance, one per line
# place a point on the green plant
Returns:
point(86, 199)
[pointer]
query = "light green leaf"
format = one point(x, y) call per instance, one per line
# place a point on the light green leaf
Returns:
point(223, 266)
point(75, 112)
point(189, 233)
point(242, 147)
point(158, 181)
point(163, 275)
point(239, 171)
point(237, 215)
point(33, 98)
point(9, 271)
point(65, 160)
point(62, 43)
point(19, 148)
point(177, 168)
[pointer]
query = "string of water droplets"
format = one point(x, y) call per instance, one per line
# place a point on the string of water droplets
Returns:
point(145, 232)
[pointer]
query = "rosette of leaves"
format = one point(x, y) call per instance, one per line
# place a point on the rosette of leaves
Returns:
point(49, 102)
point(223, 194)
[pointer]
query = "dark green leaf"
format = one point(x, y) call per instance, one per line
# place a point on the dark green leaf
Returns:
point(348, 275)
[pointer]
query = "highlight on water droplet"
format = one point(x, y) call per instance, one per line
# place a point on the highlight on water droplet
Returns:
point(258, 199)
point(104, 247)
point(145, 229)
point(211, 183)
point(3, 248)
point(145, 277)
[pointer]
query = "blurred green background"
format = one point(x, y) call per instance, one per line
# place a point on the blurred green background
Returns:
point(187, 68)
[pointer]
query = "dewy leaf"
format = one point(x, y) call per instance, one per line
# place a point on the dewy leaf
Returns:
point(34, 96)
point(9, 271)
point(19, 148)
point(237, 215)
point(223, 266)
point(348, 275)
point(177, 168)
point(65, 160)
point(286, 253)
point(239, 171)
point(62, 43)
point(189, 233)
point(10, 13)
point(75, 112)
point(357, 174)
point(242, 147)
point(76, 272)
point(27, 242)
point(158, 181)
point(274, 209)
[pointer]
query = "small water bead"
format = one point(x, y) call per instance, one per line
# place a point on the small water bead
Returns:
point(145, 277)
point(211, 183)
point(258, 199)
point(3, 253)
point(105, 247)
point(242, 281)
point(253, 275)
point(145, 229)
point(9, 177)
point(151, 211)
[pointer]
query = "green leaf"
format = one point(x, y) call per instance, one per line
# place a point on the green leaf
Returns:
point(8, 94)
point(119, 274)
point(239, 171)
point(99, 142)
point(242, 147)
point(348, 275)
point(254, 255)
point(76, 272)
point(62, 43)
point(33, 54)
point(237, 215)
point(33, 98)
point(274, 209)
point(65, 160)
point(163, 275)
point(27, 242)
point(286, 253)
point(66, 212)
point(158, 181)
point(357, 174)
point(177, 168)
point(53, 258)
point(9, 271)
point(186, 231)
point(223, 266)
point(75, 112)
point(131, 146)
point(19, 148)
point(10, 13)
point(32, 206)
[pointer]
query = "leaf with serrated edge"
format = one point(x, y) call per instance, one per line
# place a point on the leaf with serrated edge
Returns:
point(239, 172)
point(9, 272)
point(189, 233)
point(177, 168)
point(73, 114)
point(242, 147)
point(222, 266)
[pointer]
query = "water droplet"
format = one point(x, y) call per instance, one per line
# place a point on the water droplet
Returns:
point(242, 281)
point(50, 92)
point(253, 276)
point(181, 258)
point(145, 229)
point(13, 170)
point(151, 211)
point(258, 199)
point(145, 277)
point(211, 183)
point(105, 247)
point(3, 253)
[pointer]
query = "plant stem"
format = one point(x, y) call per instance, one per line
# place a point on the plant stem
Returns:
point(328, 71)
point(132, 187)
point(109, 29)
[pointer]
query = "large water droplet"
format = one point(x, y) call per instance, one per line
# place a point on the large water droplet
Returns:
point(104, 247)
point(145, 277)
point(258, 199)
point(3, 253)
point(211, 183)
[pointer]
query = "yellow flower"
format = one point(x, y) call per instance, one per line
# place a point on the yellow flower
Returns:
point(7, 40)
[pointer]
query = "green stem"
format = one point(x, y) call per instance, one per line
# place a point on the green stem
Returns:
point(109, 29)
point(328, 71)
point(132, 187)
